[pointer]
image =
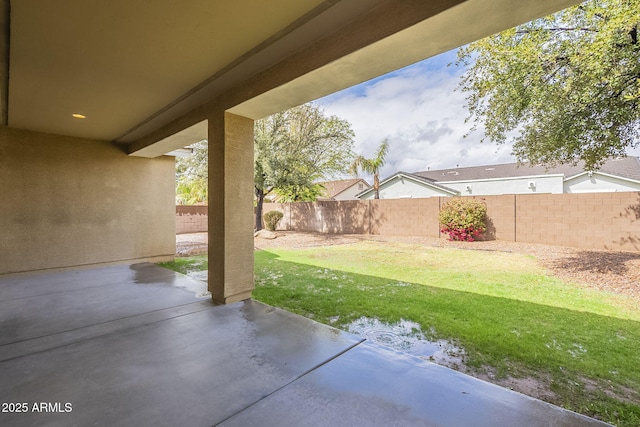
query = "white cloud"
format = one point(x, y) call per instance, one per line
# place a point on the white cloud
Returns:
point(423, 116)
point(419, 111)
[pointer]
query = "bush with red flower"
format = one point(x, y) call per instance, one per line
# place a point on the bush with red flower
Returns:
point(463, 219)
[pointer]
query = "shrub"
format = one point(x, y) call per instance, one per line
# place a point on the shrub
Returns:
point(463, 219)
point(271, 219)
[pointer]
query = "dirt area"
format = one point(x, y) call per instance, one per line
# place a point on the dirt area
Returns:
point(191, 244)
point(611, 271)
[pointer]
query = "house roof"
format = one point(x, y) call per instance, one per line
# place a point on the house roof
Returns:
point(415, 177)
point(336, 187)
point(626, 167)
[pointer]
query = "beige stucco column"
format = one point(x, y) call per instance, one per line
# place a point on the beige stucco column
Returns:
point(230, 207)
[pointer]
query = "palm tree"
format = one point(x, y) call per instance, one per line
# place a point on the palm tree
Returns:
point(372, 166)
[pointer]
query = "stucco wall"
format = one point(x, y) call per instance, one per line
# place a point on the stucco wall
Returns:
point(549, 184)
point(402, 188)
point(599, 183)
point(406, 188)
point(351, 192)
point(70, 202)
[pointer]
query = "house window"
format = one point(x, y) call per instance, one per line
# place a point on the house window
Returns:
point(360, 186)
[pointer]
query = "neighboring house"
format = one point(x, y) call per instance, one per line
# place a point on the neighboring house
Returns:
point(345, 189)
point(620, 174)
point(404, 185)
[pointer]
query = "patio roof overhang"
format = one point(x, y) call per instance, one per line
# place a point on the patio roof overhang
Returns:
point(142, 72)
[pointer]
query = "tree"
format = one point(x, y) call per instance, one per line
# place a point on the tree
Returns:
point(297, 193)
point(372, 166)
point(294, 149)
point(192, 175)
point(567, 85)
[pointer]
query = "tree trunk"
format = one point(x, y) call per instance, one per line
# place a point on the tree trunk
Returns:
point(376, 186)
point(260, 197)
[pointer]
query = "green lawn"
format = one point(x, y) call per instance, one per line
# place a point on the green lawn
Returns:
point(186, 265)
point(508, 315)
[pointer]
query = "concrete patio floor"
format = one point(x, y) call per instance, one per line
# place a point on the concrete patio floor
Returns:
point(140, 345)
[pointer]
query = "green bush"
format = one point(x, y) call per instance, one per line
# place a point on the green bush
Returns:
point(463, 219)
point(271, 219)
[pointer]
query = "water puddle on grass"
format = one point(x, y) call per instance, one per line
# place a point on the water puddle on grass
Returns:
point(203, 276)
point(200, 288)
point(407, 336)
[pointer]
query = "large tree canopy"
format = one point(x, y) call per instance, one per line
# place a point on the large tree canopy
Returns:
point(296, 148)
point(562, 88)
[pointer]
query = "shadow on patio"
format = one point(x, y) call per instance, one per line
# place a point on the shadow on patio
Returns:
point(140, 345)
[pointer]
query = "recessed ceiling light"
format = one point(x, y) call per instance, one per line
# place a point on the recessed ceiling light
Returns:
point(78, 116)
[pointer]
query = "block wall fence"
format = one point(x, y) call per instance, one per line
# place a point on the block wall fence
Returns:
point(585, 221)
point(192, 219)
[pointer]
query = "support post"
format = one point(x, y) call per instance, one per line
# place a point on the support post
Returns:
point(230, 207)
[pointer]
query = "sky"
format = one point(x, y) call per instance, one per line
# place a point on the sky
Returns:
point(421, 113)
